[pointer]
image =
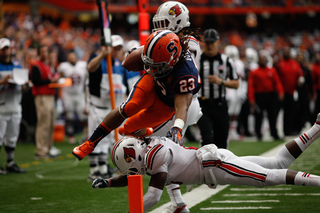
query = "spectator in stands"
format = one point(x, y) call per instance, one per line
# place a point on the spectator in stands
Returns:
point(44, 98)
point(10, 107)
point(315, 71)
point(264, 90)
point(291, 77)
point(73, 97)
point(217, 72)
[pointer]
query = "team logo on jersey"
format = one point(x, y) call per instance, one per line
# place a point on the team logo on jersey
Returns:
point(175, 10)
point(129, 153)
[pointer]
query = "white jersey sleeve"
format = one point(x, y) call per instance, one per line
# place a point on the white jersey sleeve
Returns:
point(194, 48)
point(157, 159)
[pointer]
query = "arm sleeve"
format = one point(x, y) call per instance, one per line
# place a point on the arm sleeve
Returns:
point(157, 159)
point(36, 77)
point(233, 75)
point(152, 197)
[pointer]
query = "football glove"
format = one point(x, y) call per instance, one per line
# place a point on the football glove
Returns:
point(175, 134)
point(100, 183)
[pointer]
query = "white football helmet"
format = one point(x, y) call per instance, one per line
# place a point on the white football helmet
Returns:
point(231, 51)
point(128, 156)
point(251, 55)
point(171, 15)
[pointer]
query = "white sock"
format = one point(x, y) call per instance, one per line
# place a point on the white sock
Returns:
point(175, 195)
point(307, 138)
point(306, 179)
point(103, 169)
point(93, 169)
point(283, 158)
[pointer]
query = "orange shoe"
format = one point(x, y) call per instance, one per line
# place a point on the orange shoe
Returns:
point(148, 132)
point(123, 132)
point(83, 150)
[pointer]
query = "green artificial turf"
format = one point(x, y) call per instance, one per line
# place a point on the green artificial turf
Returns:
point(60, 185)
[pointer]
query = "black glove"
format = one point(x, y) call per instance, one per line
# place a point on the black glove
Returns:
point(100, 183)
point(175, 134)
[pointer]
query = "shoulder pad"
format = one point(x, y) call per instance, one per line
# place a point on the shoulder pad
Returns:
point(156, 156)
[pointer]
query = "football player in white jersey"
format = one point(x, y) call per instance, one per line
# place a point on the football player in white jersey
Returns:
point(10, 107)
point(174, 16)
point(73, 97)
point(167, 162)
point(235, 97)
point(245, 121)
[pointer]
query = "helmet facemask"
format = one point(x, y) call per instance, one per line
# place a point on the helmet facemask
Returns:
point(157, 70)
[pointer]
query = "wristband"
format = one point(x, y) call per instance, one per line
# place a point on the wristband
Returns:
point(223, 82)
point(178, 123)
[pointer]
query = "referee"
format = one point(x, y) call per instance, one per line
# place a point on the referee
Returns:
point(217, 72)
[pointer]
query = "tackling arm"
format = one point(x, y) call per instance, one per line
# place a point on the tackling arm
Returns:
point(117, 181)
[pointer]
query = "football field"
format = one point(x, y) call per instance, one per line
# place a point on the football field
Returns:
point(60, 185)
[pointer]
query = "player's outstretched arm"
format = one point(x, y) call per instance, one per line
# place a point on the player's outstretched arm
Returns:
point(117, 181)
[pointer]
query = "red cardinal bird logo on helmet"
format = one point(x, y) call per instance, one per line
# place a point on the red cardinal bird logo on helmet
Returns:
point(175, 10)
point(129, 153)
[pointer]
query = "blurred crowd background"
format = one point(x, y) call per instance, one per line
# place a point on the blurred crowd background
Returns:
point(74, 25)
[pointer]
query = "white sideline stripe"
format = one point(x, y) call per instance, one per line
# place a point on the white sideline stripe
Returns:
point(260, 189)
point(270, 194)
point(235, 208)
point(246, 201)
point(203, 192)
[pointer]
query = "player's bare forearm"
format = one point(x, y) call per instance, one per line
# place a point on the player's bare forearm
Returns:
point(181, 104)
point(119, 181)
point(113, 119)
point(94, 64)
point(234, 84)
point(158, 180)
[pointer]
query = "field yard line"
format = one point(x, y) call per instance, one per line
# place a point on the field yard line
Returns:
point(236, 208)
point(203, 192)
point(40, 173)
point(246, 201)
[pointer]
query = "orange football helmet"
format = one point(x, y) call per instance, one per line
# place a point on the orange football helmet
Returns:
point(161, 52)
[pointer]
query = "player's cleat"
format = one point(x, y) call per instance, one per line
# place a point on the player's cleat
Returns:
point(3, 171)
point(92, 177)
point(14, 168)
point(83, 150)
point(174, 209)
point(123, 132)
point(54, 151)
point(318, 119)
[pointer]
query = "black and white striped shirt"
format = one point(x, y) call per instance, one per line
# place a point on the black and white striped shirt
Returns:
point(219, 65)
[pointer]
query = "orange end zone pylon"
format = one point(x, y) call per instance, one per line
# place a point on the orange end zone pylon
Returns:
point(135, 191)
